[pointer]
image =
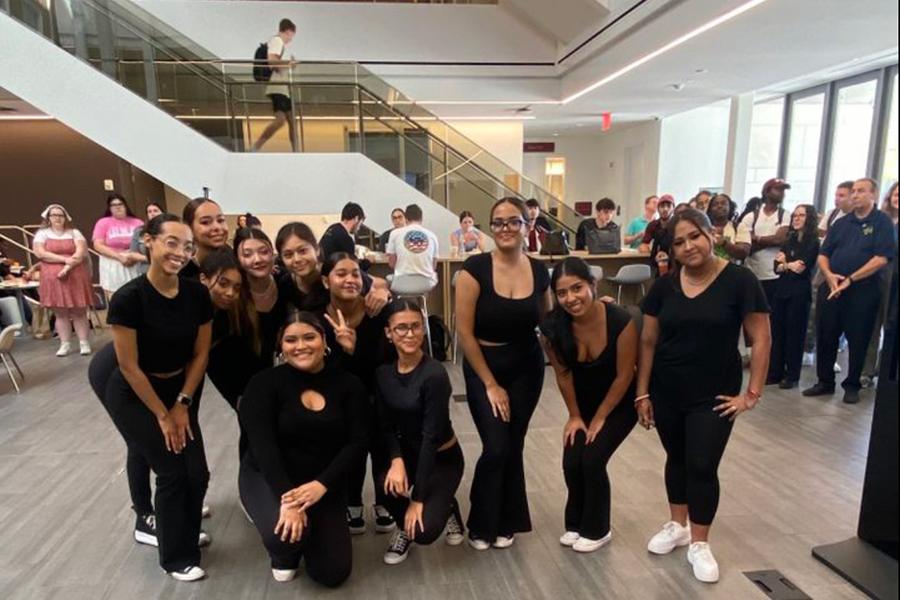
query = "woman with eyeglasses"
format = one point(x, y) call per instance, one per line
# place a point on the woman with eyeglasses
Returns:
point(306, 425)
point(412, 397)
point(162, 326)
point(112, 241)
point(359, 346)
point(210, 230)
point(593, 348)
point(65, 286)
point(501, 296)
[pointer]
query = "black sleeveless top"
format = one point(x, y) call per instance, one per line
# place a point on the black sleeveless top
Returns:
point(593, 379)
point(504, 320)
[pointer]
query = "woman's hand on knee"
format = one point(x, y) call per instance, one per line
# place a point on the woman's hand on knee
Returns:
point(303, 497)
point(415, 519)
point(573, 426)
point(395, 482)
point(291, 524)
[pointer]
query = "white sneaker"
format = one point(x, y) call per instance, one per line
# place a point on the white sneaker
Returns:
point(478, 544)
point(837, 368)
point(203, 540)
point(503, 542)
point(84, 348)
point(188, 574)
point(455, 533)
point(64, 349)
point(706, 569)
point(569, 538)
point(205, 512)
point(809, 359)
point(587, 545)
point(671, 536)
point(284, 575)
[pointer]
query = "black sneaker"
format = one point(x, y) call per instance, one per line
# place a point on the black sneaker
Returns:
point(355, 520)
point(398, 549)
point(851, 396)
point(145, 530)
point(384, 522)
point(772, 380)
point(820, 389)
point(787, 384)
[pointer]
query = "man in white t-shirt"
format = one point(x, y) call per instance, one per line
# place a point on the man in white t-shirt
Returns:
point(843, 205)
point(412, 250)
point(768, 227)
point(278, 93)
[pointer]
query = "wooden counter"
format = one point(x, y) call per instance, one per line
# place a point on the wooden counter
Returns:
point(440, 301)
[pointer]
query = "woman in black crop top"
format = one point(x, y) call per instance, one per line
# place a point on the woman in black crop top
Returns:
point(690, 377)
point(793, 297)
point(500, 299)
point(413, 402)
point(359, 346)
point(161, 326)
point(306, 427)
point(593, 348)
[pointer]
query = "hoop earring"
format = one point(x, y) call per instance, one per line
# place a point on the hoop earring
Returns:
point(327, 350)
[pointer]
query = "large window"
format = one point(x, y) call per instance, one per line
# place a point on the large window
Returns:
point(807, 118)
point(852, 132)
point(888, 173)
point(765, 144)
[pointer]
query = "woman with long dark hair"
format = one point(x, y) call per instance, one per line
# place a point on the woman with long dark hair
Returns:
point(501, 296)
point(795, 265)
point(360, 347)
point(112, 241)
point(412, 397)
point(593, 348)
point(690, 375)
point(256, 254)
point(210, 230)
point(161, 326)
point(306, 427)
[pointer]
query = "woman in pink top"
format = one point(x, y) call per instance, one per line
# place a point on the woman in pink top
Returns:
point(65, 278)
point(112, 241)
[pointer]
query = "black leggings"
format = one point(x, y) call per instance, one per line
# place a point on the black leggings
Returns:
point(181, 479)
point(325, 543)
point(440, 502)
point(584, 466)
point(357, 477)
point(499, 501)
point(694, 437)
point(790, 315)
point(136, 466)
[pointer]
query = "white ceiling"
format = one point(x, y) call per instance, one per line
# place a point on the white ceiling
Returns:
point(562, 20)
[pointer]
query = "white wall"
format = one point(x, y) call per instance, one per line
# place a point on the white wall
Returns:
point(596, 166)
point(693, 150)
point(503, 139)
point(357, 32)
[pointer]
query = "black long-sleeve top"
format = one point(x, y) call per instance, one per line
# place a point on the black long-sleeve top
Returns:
point(232, 362)
point(807, 250)
point(371, 351)
point(292, 444)
point(414, 417)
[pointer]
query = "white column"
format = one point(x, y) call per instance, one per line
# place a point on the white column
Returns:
point(738, 147)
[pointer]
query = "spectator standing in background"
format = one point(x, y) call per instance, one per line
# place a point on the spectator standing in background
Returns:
point(701, 200)
point(768, 231)
point(277, 90)
point(137, 248)
point(112, 241)
point(843, 206)
point(730, 241)
point(600, 235)
point(657, 240)
point(852, 259)
point(339, 237)
point(398, 220)
point(634, 233)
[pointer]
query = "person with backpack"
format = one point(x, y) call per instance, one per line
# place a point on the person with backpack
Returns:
point(277, 73)
point(768, 227)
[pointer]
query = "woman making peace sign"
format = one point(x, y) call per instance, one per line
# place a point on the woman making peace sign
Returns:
point(358, 345)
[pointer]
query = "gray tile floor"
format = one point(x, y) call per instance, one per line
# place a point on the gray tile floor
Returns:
point(791, 479)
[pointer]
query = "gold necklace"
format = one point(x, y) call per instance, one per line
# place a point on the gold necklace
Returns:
point(706, 278)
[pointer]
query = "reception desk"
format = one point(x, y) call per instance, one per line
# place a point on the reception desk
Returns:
point(440, 301)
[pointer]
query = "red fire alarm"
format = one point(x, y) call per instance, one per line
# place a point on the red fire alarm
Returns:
point(607, 121)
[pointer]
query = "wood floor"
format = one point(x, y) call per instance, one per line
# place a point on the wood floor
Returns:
point(791, 479)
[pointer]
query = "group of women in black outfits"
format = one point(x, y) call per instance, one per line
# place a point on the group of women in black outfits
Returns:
point(324, 371)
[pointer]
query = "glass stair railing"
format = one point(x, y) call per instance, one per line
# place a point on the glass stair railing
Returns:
point(338, 107)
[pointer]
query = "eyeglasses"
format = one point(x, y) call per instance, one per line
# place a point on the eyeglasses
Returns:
point(404, 329)
point(174, 246)
point(116, 205)
point(498, 225)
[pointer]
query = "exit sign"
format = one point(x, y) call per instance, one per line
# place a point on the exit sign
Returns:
point(545, 147)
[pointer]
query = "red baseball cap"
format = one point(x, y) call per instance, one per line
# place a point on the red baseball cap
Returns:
point(774, 184)
point(666, 198)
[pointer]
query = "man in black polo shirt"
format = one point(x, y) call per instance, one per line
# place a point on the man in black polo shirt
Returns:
point(852, 258)
point(339, 236)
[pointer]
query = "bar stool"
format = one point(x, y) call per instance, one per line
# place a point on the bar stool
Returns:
point(631, 275)
point(454, 336)
point(416, 287)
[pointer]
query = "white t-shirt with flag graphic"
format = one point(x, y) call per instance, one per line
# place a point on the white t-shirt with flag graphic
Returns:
point(416, 249)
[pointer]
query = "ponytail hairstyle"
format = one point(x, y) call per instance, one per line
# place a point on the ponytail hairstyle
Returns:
point(190, 209)
point(399, 305)
point(331, 262)
point(699, 220)
point(243, 320)
point(557, 325)
point(249, 233)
